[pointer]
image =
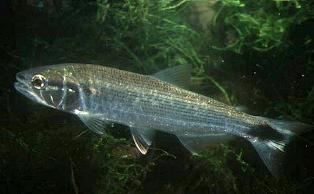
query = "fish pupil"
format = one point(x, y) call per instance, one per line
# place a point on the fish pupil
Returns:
point(39, 82)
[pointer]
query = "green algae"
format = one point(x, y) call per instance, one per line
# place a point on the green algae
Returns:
point(261, 26)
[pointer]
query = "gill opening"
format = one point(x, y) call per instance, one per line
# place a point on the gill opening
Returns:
point(82, 97)
point(64, 94)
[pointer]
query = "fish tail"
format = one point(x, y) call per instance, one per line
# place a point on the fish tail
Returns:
point(271, 141)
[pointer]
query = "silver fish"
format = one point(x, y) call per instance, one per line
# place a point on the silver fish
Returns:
point(99, 95)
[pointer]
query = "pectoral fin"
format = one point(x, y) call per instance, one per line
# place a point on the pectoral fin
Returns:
point(198, 143)
point(142, 138)
point(96, 124)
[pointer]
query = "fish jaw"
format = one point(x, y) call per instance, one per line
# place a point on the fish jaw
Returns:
point(23, 86)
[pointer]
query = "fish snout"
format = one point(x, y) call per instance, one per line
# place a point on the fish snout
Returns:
point(22, 82)
point(22, 77)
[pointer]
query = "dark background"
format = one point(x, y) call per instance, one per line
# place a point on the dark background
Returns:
point(46, 151)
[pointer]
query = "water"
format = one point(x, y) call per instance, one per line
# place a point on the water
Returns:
point(257, 57)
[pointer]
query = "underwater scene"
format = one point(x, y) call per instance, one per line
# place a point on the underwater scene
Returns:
point(156, 96)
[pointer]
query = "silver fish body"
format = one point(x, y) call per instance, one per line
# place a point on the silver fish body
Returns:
point(146, 103)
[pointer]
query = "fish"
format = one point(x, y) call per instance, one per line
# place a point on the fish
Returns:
point(101, 95)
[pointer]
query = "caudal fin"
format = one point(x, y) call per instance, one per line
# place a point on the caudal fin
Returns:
point(271, 143)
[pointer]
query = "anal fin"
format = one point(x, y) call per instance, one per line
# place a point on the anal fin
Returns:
point(198, 143)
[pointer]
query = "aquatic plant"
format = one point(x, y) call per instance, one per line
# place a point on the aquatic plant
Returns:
point(150, 34)
point(262, 25)
point(120, 168)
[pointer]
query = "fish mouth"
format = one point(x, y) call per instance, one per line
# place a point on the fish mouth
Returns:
point(23, 86)
point(24, 89)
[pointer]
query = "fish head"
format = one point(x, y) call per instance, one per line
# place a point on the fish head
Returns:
point(53, 86)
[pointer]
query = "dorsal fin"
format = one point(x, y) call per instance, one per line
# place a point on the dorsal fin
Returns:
point(178, 75)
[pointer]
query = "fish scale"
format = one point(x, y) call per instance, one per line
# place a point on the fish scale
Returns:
point(143, 95)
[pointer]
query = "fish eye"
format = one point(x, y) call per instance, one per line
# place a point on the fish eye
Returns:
point(39, 82)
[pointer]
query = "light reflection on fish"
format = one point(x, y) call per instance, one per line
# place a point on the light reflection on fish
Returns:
point(100, 95)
